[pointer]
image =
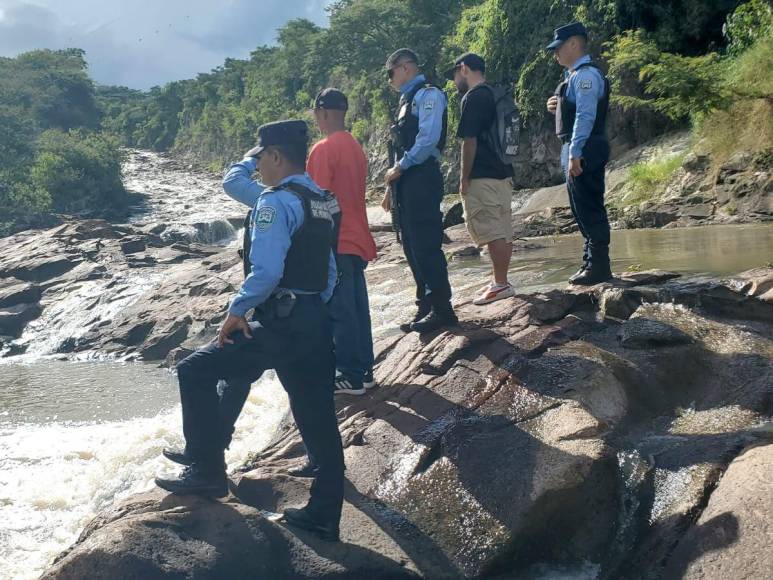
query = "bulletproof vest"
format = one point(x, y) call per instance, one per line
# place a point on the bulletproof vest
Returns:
point(307, 260)
point(406, 126)
point(566, 110)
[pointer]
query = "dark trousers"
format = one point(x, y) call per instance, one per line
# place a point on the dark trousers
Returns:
point(419, 193)
point(350, 311)
point(586, 198)
point(300, 349)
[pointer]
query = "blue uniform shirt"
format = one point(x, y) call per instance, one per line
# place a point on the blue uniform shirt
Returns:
point(282, 215)
point(585, 90)
point(429, 104)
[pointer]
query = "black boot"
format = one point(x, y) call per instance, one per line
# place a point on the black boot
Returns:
point(578, 273)
point(196, 480)
point(595, 273)
point(306, 470)
point(177, 455)
point(437, 318)
point(303, 518)
point(423, 310)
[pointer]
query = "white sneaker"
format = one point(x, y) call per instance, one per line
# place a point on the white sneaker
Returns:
point(494, 293)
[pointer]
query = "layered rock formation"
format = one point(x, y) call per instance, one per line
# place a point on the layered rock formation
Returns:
point(562, 427)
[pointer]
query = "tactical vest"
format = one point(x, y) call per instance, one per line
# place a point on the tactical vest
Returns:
point(566, 110)
point(406, 126)
point(307, 260)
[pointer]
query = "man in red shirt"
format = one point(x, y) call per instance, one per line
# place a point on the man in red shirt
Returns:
point(338, 163)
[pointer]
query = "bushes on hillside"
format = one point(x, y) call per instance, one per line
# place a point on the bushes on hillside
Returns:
point(79, 172)
point(52, 161)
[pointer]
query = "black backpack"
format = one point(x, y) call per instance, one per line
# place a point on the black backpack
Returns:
point(504, 135)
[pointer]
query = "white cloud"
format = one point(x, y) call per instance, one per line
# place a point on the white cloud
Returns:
point(149, 42)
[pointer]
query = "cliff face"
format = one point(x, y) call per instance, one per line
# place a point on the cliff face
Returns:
point(561, 427)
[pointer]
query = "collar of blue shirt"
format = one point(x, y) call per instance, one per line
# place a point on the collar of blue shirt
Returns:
point(581, 60)
point(407, 87)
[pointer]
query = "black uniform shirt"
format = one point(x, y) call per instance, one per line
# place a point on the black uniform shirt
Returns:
point(478, 116)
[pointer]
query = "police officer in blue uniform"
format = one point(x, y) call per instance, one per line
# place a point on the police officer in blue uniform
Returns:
point(580, 104)
point(291, 275)
point(419, 136)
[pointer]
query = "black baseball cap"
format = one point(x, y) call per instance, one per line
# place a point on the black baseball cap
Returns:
point(564, 33)
point(331, 98)
point(401, 55)
point(472, 60)
point(292, 132)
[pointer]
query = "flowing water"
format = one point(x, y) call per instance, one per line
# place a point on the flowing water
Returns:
point(77, 435)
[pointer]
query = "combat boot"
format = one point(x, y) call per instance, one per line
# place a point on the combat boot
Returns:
point(578, 273)
point(437, 318)
point(196, 480)
point(423, 310)
point(304, 518)
point(595, 273)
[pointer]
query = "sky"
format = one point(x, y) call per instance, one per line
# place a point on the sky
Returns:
point(144, 43)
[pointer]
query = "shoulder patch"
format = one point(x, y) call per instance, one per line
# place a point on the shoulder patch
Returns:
point(265, 218)
point(586, 84)
point(429, 104)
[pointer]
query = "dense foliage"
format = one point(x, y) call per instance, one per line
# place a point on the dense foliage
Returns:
point(686, 60)
point(52, 159)
point(661, 51)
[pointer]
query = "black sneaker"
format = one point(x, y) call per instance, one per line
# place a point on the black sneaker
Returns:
point(306, 470)
point(435, 320)
point(368, 382)
point(348, 387)
point(195, 481)
point(302, 518)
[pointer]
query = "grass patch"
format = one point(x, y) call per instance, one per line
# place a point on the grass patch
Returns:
point(747, 124)
point(648, 180)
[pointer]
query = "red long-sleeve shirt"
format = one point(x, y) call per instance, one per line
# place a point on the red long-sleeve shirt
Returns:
point(338, 163)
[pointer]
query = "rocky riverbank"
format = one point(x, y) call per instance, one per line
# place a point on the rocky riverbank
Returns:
point(698, 192)
point(606, 430)
point(626, 425)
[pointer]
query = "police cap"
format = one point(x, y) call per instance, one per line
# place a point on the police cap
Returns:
point(293, 132)
point(564, 33)
point(401, 55)
point(472, 60)
point(331, 98)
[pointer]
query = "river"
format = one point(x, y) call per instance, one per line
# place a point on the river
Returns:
point(75, 435)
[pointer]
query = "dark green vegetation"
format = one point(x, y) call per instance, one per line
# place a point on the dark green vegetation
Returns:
point(708, 64)
point(683, 47)
point(53, 160)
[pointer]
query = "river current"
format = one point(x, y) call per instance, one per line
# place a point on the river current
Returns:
point(76, 435)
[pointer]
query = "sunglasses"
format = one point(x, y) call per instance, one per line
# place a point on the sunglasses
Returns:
point(391, 71)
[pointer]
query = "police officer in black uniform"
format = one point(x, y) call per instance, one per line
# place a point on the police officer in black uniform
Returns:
point(290, 275)
point(580, 104)
point(419, 136)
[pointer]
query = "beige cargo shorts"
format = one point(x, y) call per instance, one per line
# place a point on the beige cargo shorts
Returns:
point(487, 210)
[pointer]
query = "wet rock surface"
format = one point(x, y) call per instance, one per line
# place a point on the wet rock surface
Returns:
point(542, 429)
point(567, 426)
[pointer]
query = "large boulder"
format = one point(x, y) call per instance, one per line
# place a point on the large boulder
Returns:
point(156, 535)
point(733, 535)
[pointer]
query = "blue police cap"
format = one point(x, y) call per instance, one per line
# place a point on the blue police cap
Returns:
point(293, 132)
point(564, 33)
